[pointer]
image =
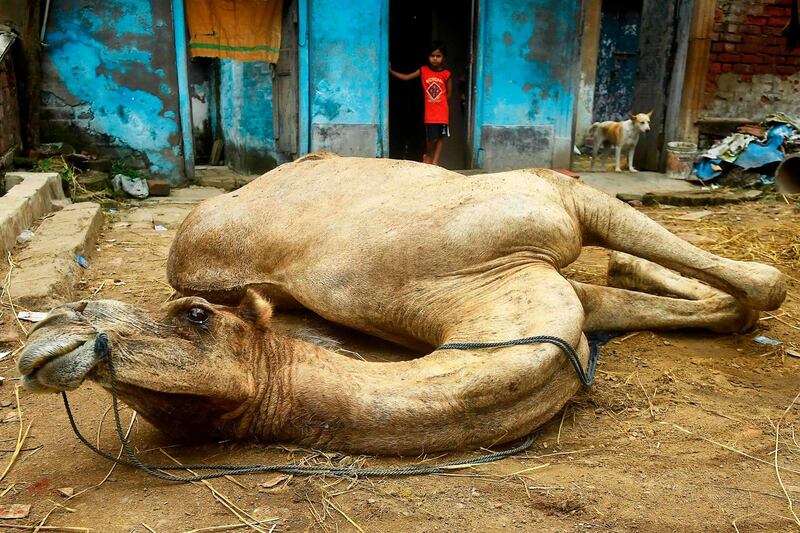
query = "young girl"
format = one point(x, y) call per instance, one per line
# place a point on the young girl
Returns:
point(436, 89)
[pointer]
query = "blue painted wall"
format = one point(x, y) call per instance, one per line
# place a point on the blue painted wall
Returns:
point(348, 74)
point(247, 116)
point(110, 84)
point(528, 80)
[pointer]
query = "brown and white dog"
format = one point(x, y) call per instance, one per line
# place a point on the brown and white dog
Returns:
point(621, 135)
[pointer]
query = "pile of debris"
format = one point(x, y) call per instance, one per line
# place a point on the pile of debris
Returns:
point(750, 156)
point(87, 178)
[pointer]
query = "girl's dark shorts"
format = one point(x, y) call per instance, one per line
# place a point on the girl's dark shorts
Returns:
point(434, 132)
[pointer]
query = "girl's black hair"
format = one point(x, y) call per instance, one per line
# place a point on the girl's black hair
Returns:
point(438, 45)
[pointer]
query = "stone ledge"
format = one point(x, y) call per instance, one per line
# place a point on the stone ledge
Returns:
point(693, 198)
point(29, 200)
point(46, 270)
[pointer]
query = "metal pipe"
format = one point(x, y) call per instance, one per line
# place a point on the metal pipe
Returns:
point(787, 177)
point(44, 22)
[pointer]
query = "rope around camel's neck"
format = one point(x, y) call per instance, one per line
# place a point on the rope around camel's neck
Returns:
point(103, 351)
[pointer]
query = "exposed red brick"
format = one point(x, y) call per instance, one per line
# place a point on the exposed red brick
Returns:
point(777, 11)
point(757, 21)
point(774, 30)
point(748, 39)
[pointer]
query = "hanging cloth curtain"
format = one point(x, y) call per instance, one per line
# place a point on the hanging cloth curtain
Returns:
point(245, 30)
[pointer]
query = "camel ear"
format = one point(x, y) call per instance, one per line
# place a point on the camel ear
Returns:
point(255, 308)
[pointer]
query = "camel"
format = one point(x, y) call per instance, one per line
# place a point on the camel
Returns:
point(407, 252)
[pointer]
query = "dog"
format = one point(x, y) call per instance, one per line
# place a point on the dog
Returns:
point(621, 135)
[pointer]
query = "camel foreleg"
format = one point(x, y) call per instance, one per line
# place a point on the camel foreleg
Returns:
point(612, 309)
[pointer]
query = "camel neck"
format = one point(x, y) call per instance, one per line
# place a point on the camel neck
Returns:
point(446, 400)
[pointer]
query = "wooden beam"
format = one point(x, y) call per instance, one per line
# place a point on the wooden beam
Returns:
point(590, 44)
point(30, 72)
point(694, 83)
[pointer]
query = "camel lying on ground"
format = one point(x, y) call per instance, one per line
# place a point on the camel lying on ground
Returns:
point(407, 252)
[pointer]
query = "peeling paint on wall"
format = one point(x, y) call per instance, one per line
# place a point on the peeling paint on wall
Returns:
point(109, 80)
point(530, 81)
point(761, 95)
point(246, 110)
point(345, 76)
point(617, 60)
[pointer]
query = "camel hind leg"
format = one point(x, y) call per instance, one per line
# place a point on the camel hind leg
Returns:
point(613, 224)
point(636, 274)
point(613, 309)
point(644, 295)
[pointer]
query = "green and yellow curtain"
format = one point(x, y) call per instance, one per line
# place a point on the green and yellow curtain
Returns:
point(245, 30)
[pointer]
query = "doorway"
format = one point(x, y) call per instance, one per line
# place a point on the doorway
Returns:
point(204, 93)
point(413, 25)
point(617, 59)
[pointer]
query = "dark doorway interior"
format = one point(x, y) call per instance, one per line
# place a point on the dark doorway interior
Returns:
point(414, 24)
point(204, 91)
point(617, 59)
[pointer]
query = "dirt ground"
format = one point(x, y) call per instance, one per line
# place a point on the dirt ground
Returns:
point(677, 434)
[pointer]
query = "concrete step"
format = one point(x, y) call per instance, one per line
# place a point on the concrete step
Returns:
point(47, 269)
point(694, 198)
point(35, 195)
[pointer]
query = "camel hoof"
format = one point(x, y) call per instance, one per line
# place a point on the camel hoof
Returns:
point(740, 318)
point(765, 287)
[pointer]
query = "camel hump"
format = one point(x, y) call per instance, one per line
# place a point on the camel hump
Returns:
point(316, 156)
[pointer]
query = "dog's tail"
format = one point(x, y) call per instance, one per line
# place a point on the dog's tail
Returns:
point(593, 128)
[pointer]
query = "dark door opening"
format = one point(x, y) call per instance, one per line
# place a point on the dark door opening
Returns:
point(413, 25)
point(204, 92)
point(617, 59)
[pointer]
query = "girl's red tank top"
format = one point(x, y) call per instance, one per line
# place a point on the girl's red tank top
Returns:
point(434, 87)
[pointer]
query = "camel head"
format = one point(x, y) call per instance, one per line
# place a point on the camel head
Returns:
point(189, 369)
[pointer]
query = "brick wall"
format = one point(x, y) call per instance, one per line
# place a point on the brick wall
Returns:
point(750, 71)
point(9, 107)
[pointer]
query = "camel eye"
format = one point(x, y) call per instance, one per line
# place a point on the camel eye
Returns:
point(197, 315)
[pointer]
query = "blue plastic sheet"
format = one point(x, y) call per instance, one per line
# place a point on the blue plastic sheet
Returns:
point(760, 153)
point(703, 170)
